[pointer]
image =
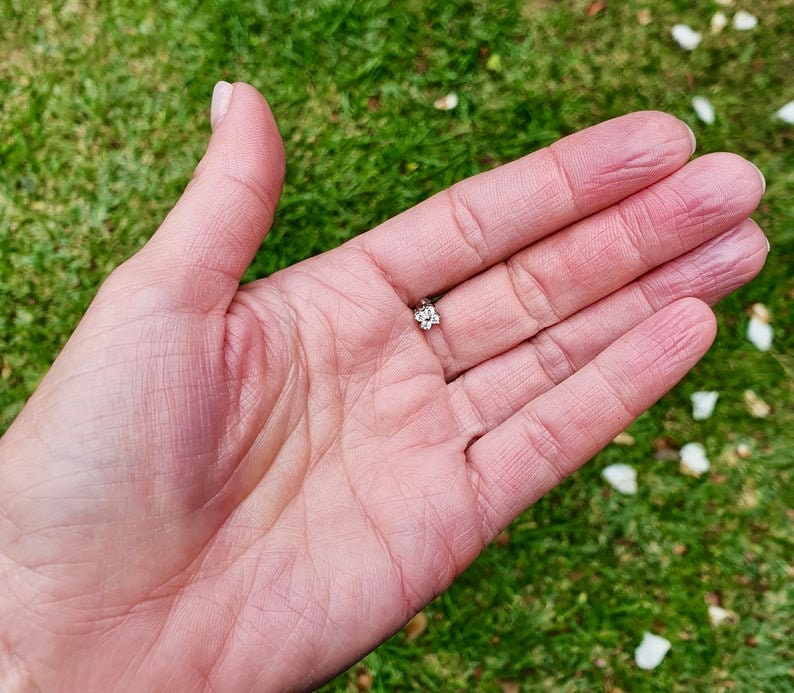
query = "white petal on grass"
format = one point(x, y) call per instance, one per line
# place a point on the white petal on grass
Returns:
point(744, 21)
point(718, 22)
point(760, 333)
point(760, 311)
point(686, 37)
point(446, 103)
point(703, 109)
point(744, 451)
point(719, 616)
point(693, 459)
point(755, 405)
point(621, 477)
point(786, 113)
point(651, 651)
point(624, 438)
point(703, 404)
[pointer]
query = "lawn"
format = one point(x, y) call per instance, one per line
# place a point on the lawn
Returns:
point(105, 112)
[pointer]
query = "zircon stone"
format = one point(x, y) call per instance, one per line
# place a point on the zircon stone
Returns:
point(426, 315)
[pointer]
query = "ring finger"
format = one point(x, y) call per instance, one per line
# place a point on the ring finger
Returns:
point(562, 274)
point(490, 393)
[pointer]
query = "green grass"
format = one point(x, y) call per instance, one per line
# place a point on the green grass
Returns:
point(105, 111)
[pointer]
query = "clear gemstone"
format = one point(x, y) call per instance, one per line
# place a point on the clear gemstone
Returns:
point(426, 316)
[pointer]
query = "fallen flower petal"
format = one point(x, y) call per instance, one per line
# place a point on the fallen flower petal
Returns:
point(703, 404)
point(756, 406)
point(786, 113)
point(651, 651)
point(744, 451)
point(686, 37)
point(415, 627)
point(624, 438)
point(446, 103)
point(621, 477)
point(760, 334)
point(744, 21)
point(693, 459)
point(719, 616)
point(760, 311)
point(703, 109)
point(718, 22)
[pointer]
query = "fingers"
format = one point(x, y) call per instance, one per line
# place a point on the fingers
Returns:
point(552, 436)
point(485, 219)
point(564, 273)
point(210, 237)
point(487, 395)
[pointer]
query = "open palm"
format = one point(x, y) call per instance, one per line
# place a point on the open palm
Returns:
point(247, 488)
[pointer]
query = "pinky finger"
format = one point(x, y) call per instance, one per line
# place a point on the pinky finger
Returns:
point(556, 433)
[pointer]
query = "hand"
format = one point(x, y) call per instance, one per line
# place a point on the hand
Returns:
point(248, 488)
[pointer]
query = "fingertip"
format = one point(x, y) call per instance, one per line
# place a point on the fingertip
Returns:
point(221, 98)
point(726, 262)
point(742, 170)
point(754, 249)
point(623, 155)
point(760, 175)
point(726, 181)
point(694, 307)
point(697, 318)
point(249, 145)
point(756, 236)
point(658, 125)
point(679, 132)
point(208, 240)
point(692, 138)
point(254, 115)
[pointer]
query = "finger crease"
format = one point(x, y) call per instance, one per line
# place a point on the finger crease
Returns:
point(472, 424)
point(631, 231)
point(555, 369)
point(469, 227)
point(357, 244)
point(519, 277)
point(541, 439)
point(648, 296)
point(269, 201)
point(567, 181)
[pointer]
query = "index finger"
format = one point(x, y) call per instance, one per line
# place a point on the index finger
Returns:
point(482, 220)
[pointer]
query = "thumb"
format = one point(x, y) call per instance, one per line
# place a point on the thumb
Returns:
point(206, 243)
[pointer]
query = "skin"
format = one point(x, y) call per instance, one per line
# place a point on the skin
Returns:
point(249, 487)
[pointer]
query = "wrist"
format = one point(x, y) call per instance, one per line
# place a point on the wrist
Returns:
point(14, 674)
point(16, 645)
point(16, 585)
